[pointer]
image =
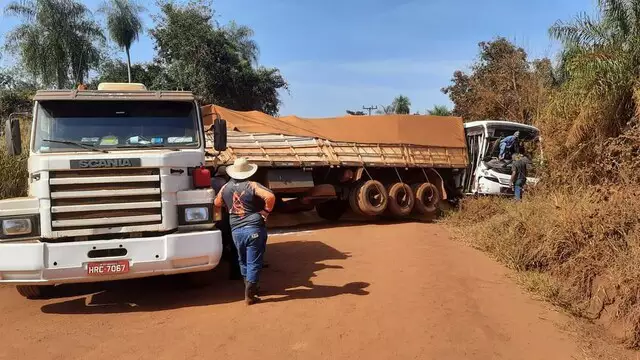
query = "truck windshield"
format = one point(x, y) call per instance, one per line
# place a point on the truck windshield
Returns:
point(115, 125)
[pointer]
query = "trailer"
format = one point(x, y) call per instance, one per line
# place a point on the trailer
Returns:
point(392, 165)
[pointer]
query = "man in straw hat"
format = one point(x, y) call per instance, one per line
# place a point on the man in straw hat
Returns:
point(249, 204)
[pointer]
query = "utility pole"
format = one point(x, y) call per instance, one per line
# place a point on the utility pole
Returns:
point(370, 108)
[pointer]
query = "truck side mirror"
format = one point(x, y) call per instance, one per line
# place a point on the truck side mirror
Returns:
point(12, 137)
point(219, 134)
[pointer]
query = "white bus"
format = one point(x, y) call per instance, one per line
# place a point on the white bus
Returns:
point(485, 174)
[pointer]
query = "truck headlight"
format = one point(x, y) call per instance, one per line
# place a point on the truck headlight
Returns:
point(19, 227)
point(196, 214)
point(13, 227)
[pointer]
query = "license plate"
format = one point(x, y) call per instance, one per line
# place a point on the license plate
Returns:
point(108, 268)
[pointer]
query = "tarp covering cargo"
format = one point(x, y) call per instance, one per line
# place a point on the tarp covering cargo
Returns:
point(382, 140)
point(379, 129)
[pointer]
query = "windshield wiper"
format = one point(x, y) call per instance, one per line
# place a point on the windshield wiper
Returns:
point(143, 146)
point(78, 144)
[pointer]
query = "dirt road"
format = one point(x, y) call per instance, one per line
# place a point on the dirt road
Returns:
point(400, 291)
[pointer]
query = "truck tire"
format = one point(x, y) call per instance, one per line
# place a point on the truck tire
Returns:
point(332, 210)
point(427, 198)
point(370, 198)
point(34, 292)
point(353, 199)
point(401, 200)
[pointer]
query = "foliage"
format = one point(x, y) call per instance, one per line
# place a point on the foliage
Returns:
point(115, 70)
point(124, 24)
point(502, 85)
point(58, 42)
point(15, 93)
point(386, 110)
point(400, 105)
point(598, 98)
point(440, 110)
point(215, 63)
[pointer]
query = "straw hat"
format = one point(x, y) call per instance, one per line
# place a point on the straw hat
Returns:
point(241, 169)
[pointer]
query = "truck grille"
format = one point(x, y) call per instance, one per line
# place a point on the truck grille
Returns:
point(98, 201)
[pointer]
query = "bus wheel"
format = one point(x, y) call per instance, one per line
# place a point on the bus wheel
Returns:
point(427, 198)
point(332, 210)
point(401, 200)
point(370, 198)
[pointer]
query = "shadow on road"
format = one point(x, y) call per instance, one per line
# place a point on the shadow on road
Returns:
point(293, 264)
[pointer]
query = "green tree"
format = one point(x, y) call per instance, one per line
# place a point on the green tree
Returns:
point(152, 75)
point(213, 62)
point(401, 105)
point(242, 37)
point(124, 24)
point(57, 42)
point(440, 110)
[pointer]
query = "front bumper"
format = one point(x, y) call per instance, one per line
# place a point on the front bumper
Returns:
point(58, 263)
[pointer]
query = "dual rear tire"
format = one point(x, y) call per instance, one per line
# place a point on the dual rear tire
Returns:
point(369, 198)
point(372, 199)
point(427, 198)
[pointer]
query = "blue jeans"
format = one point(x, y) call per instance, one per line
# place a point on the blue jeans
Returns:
point(251, 243)
point(518, 189)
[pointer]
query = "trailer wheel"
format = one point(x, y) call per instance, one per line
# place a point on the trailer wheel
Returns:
point(427, 198)
point(353, 198)
point(401, 199)
point(332, 210)
point(34, 292)
point(370, 198)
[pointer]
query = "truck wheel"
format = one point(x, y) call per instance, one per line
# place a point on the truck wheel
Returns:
point(371, 198)
point(401, 199)
point(332, 210)
point(427, 198)
point(353, 199)
point(33, 292)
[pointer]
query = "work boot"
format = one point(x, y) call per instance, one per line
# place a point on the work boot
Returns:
point(251, 293)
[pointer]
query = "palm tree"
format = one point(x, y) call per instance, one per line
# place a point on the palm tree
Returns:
point(386, 110)
point(56, 40)
point(600, 66)
point(401, 105)
point(439, 110)
point(124, 24)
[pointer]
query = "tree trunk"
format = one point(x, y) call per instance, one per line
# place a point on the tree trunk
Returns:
point(128, 64)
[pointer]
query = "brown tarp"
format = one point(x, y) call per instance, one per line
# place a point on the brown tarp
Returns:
point(426, 130)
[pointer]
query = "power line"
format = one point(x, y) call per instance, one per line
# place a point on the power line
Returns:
point(369, 108)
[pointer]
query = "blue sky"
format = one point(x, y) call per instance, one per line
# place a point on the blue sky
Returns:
point(339, 55)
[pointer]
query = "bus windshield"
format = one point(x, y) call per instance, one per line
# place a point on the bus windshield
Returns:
point(63, 125)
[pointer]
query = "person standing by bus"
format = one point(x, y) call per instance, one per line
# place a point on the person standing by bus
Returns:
point(518, 175)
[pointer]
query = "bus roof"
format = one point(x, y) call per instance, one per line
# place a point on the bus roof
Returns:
point(499, 123)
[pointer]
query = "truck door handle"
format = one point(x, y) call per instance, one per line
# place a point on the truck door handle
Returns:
point(177, 171)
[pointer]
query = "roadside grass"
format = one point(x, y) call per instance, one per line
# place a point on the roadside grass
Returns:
point(576, 247)
point(13, 169)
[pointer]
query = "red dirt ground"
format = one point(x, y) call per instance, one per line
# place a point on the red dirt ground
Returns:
point(399, 291)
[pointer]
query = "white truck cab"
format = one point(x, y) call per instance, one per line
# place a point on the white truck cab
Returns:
point(111, 191)
point(486, 175)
